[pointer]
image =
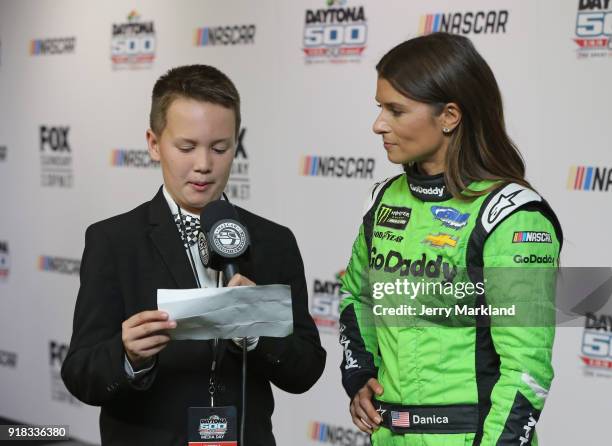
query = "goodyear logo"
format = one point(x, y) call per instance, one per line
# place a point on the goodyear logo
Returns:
point(393, 217)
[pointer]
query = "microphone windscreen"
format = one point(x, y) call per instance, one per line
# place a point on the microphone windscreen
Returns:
point(215, 211)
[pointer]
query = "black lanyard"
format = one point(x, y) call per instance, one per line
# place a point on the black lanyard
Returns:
point(217, 354)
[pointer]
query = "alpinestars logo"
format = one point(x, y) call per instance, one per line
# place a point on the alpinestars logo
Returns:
point(593, 29)
point(5, 261)
point(133, 43)
point(589, 178)
point(60, 45)
point(239, 183)
point(467, 23)
point(55, 157)
point(597, 343)
point(132, 158)
point(325, 302)
point(502, 203)
point(337, 34)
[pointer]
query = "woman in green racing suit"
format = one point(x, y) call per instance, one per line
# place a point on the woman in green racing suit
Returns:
point(471, 365)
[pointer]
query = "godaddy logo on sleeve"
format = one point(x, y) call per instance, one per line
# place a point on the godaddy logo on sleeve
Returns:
point(350, 362)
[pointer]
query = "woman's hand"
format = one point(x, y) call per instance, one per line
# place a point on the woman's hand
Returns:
point(363, 413)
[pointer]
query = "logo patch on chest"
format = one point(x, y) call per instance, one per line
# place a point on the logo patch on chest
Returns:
point(393, 217)
point(450, 217)
point(441, 240)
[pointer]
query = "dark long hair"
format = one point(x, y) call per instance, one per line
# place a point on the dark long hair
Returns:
point(442, 68)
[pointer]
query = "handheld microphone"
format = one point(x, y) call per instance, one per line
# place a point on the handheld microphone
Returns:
point(222, 240)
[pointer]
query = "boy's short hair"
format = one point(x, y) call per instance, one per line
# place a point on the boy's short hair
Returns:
point(200, 82)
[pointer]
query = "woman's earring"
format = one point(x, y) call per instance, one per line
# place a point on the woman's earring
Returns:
point(446, 130)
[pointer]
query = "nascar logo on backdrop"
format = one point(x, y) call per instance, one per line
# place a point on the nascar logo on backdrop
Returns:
point(336, 34)
point(593, 28)
point(133, 43)
point(225, 35)
point(337, 435)
point(589, 178)
point(59, 265)
point(332, 166)
point(60, 45)
point(597, 345)
point(479, 22)
point(132, 158)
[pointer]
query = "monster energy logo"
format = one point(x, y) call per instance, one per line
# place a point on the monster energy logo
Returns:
point(393, 217)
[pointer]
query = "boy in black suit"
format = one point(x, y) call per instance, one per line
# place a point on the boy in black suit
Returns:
point(120, 357)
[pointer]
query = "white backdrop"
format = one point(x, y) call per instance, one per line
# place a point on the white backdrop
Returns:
point(552, 61)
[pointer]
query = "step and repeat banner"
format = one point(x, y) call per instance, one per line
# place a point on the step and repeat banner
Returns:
point(75, 84)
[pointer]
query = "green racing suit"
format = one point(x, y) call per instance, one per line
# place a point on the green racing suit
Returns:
point(458, 380)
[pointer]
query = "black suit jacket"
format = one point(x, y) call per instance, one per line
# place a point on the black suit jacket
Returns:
point(126, 259)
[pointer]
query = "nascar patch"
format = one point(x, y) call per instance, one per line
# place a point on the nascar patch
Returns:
point(531, 237)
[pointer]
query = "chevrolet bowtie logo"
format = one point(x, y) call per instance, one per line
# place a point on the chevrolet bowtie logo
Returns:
point(441, 240)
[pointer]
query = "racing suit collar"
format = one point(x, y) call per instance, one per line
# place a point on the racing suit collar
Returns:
point(426, 187)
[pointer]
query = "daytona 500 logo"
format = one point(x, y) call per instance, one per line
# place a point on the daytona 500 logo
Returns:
point(594, 28)
point(335, 34)
point(597, 341)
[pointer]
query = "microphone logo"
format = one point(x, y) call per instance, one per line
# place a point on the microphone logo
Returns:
point(203, 248)
point(229, 238)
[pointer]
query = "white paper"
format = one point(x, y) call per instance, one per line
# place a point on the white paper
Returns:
point(225, 313)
